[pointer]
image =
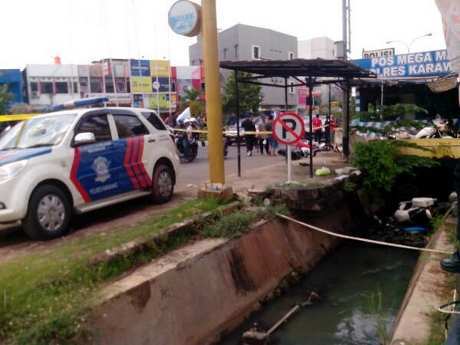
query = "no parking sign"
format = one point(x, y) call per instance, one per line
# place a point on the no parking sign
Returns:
point(288, 128)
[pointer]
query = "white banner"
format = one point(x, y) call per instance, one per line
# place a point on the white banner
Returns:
point(450, 11)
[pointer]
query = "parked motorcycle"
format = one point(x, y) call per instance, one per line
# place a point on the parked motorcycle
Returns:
point(439, 129)
point(187, 147)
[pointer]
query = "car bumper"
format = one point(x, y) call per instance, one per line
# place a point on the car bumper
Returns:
point(9, 216)
point(12, 206)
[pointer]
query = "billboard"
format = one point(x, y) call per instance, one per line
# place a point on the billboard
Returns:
point(412, 65)
point(141, 85)
point(162, 101)
point(140, 68)
point(160, 68)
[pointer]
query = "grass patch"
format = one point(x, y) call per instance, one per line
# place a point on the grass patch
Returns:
point(238, 223)
point(44, 297)
point(437, 319)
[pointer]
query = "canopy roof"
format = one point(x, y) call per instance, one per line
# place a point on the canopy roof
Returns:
point(317, 68)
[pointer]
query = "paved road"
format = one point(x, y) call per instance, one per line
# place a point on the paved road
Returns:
point(196, 173)
point(13, 241)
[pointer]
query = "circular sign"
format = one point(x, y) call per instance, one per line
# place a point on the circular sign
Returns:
point(156, 85)
point(288, 128)
point(184, 18)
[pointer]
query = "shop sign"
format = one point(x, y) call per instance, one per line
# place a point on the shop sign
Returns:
point(412, 65)
point(369, 54)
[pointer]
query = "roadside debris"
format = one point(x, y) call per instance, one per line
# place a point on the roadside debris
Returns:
point(257, 336)
point(323, 171)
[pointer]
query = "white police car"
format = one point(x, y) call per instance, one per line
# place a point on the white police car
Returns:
point(80, 160)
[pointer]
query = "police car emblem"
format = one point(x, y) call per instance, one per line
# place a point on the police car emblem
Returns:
point(101, 168)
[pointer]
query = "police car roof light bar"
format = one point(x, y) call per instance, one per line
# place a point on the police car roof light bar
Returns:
point(79, 103)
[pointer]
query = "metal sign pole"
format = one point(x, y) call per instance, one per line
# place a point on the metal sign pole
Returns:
point(310, 116)
point(288, 147)
point(289, 164)
point(238, 138)
point(288, 129)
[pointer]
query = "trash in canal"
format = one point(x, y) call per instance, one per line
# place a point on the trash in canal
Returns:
point(256, 336)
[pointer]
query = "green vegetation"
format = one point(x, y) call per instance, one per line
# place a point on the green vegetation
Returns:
point(382, 163)
point(5, 98)
point(237, 223)
point(437, 319)
point(389, 112)
point(250, 95)
point(230, 226)
point(45, 296)
point(375, 307)
point(350, 186)
point(437, 322)
point(193, 99)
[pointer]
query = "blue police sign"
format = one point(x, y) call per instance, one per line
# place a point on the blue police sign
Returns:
point(413, 65)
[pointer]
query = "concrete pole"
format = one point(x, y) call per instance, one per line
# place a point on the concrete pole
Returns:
point(345, 86)
point(213, 99)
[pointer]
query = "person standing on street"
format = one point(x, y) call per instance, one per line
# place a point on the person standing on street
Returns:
point(271, 141)
point(262, 138)
point(249, 126)
point(317, 127)
point(332, 127)
point(327, 130)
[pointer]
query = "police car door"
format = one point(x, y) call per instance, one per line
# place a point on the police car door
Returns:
point(134, 142)
point(94, 166)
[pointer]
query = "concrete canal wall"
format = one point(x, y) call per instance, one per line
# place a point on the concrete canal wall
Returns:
point(192, 295)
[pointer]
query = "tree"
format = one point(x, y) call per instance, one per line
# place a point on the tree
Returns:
point(193, 99)
point(250, 95)
point(5, 98)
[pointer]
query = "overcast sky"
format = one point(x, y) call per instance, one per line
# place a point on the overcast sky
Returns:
point(33, 31)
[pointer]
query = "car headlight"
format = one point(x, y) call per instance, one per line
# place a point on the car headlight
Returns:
point(8, 171)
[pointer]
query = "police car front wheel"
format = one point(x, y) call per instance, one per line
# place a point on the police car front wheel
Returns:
point(162, 184)
point(49, 213)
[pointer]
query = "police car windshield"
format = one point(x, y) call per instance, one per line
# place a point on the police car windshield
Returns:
point(36, 132)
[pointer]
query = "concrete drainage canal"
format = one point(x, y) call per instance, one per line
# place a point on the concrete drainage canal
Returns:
point(360, 289)
point(213, 290)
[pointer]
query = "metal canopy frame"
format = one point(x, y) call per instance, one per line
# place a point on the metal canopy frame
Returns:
point(314, 71)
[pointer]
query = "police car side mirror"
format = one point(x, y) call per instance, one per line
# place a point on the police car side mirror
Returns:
point(84, 138)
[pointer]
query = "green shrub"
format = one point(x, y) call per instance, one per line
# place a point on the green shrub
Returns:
point(230, 226)
point(382, 162)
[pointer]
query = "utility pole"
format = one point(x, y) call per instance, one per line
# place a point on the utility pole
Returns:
point(213, 100)
point(189, 19)
point(346, 37)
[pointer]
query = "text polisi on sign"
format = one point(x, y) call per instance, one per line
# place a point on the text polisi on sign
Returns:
point(369, 54)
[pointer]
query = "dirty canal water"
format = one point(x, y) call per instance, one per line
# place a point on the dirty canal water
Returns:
point(362, 288)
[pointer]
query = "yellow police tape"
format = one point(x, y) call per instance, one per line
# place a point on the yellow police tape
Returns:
point(242, 133)
point(16, 117)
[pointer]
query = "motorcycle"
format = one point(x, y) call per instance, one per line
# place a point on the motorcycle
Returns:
point(439, 129)
point(187, 147)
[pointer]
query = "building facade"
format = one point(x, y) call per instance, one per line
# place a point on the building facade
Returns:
point(12, 78)
point(152, 84)
point(47, 85)
point(244, 43)
point(317, 48)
